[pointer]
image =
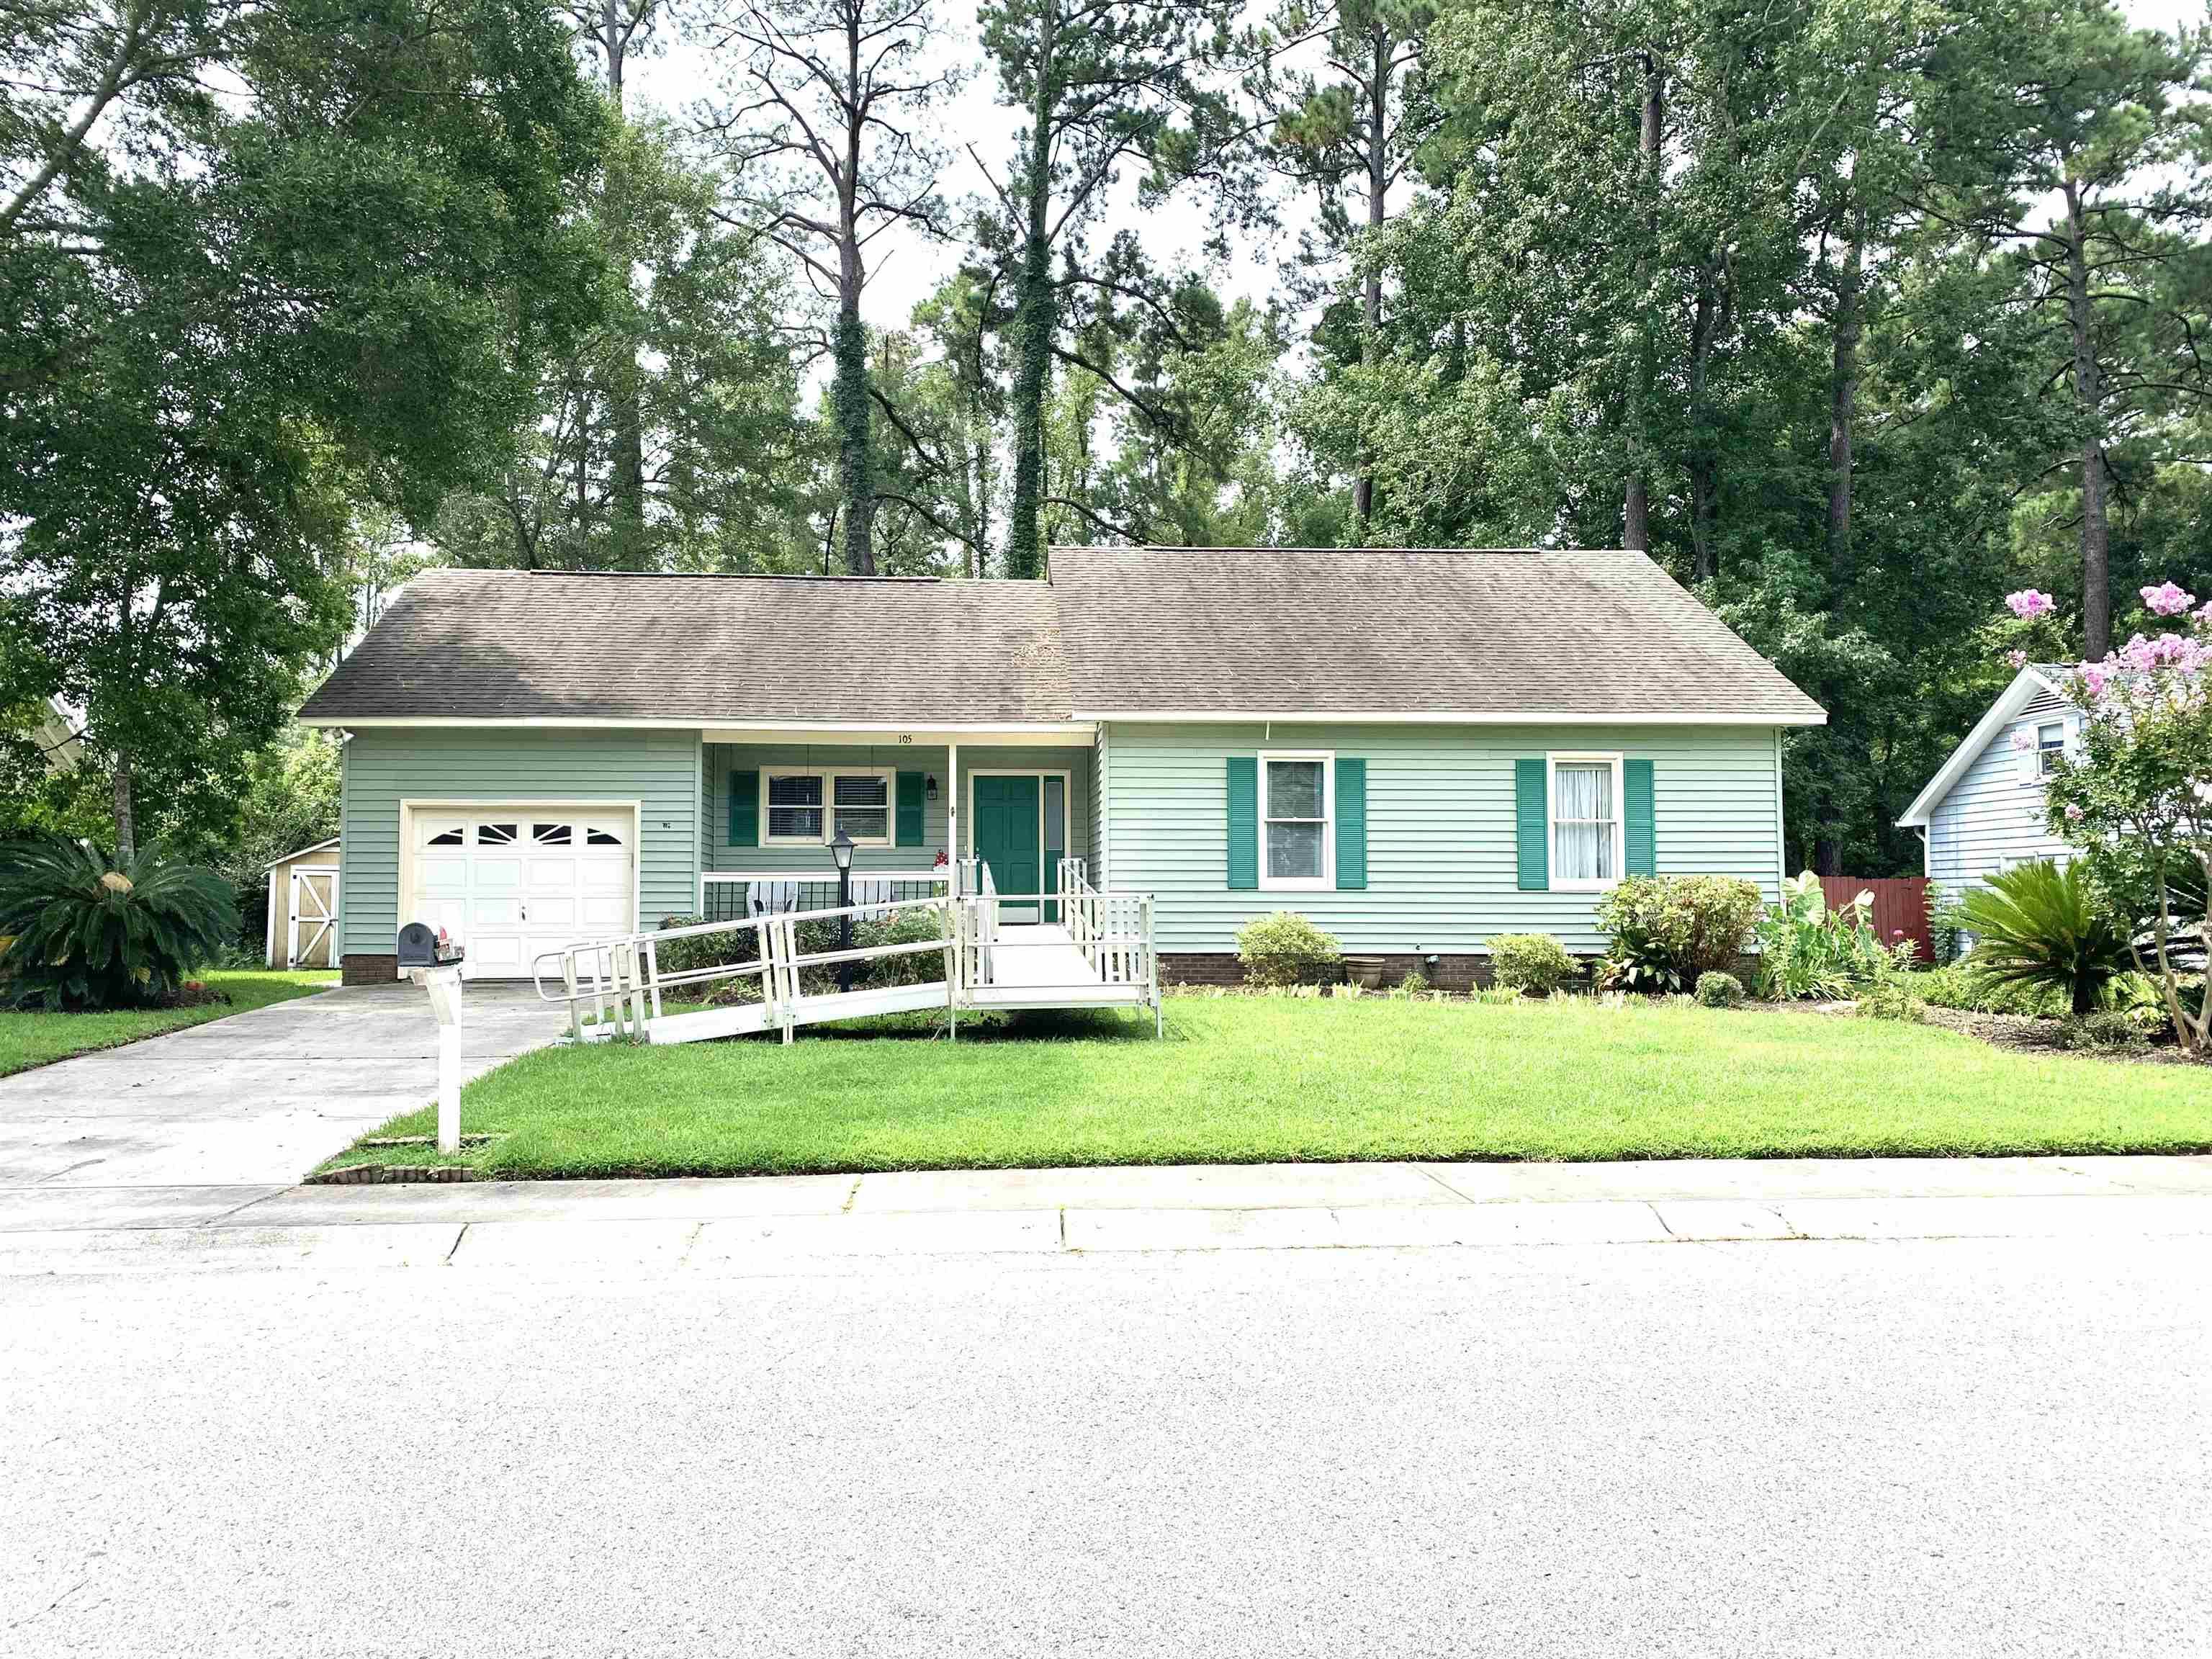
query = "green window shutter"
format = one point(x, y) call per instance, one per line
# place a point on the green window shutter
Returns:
point(1531, 832)
point(909, 809)
point(1351, 824)
point(1243, 821)
point(1642, 858)
point(744, 807)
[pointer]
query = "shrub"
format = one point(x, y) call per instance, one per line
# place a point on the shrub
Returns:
point(1962, 986)
point(2041, 925)
point(1534, 963)
point(1413, 987)
point(1807, 949)
point(1664, 931)
point(2108, 1030)
point(1718, 990)
point(87, 934)
point(1285, 949)
point(687, 955)
point(1892, 997)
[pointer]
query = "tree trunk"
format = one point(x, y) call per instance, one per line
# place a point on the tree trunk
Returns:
point(1378, 174)
point(1708, 319)
point(1035, 323)
point(2096, 534)
point(1636, 513)
point(1036, 319)
point(126, 816)
point(626, 481)
point(1843, 405)
point(849, 398)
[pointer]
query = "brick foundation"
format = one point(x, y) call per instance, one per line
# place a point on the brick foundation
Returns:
point(1451, 973)
point(368, 970)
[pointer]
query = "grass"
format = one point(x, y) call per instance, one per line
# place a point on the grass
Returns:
point(1247, 1080)
point(29, 1038)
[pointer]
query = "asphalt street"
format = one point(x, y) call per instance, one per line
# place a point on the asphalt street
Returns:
point(1953, 1447)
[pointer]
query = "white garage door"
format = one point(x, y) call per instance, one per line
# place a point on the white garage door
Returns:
point(509, 883)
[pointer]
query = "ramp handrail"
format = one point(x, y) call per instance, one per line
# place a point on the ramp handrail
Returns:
point(623, 976)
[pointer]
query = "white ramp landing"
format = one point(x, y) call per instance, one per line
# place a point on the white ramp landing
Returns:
point(1037, 966)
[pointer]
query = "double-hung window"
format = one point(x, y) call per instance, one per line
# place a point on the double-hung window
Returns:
point(1297, 801)
point(808, 808)
point(2050, 744)
point(1585, 821)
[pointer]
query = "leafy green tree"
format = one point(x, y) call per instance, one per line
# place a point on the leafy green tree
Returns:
point(2109, 122)
point(1102, 85)
point(669, 436)
point(818, 133)
point(1348, 127)
point(263, 308)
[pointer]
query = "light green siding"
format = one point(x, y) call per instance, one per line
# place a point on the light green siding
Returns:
point(814, 860)
point(1440, 827)
point(382, 767)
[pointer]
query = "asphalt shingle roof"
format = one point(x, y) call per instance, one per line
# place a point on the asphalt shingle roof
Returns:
point(1402, 631)
point(467, 645)
point(1119, 630)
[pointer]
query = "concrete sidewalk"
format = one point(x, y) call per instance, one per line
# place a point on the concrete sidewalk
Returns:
point(769, 1222)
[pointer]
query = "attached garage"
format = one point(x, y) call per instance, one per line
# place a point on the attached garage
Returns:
point(510, 880)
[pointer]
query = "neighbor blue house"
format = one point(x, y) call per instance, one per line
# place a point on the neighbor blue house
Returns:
point(1417, 749)
point(1982, 812)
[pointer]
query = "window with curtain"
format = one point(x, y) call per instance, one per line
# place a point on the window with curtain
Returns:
point(1294, 820)
point(1585, 821)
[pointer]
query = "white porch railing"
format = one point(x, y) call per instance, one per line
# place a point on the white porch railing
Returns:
point(769, 892)
point(1102, 955)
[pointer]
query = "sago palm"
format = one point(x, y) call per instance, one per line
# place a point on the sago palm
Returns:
point(87, 933)
point(2040, 925)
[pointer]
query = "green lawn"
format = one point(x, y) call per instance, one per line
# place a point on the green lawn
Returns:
point(33, 1039)
point(1252, 1078)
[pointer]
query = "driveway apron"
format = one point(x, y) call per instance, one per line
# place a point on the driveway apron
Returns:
point(259, 1098)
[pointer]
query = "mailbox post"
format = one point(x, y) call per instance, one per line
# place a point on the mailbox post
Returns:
point(438, 970)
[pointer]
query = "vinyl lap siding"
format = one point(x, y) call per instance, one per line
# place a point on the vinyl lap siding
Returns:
point(384, 767)
point(1992, 819)
point(1440, 827)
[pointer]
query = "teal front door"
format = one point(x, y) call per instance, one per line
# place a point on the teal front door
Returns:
point(1007, 837)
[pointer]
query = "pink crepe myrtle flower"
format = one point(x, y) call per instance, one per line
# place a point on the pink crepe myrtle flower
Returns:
point(2073, 812)
point(2096, 676)
point(2017, 659)
point(2167, 600)
point(2023, 739)
point(2203, 614)
point(2027, 604)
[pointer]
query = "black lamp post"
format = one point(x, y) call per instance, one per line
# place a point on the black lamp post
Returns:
point(841, 850)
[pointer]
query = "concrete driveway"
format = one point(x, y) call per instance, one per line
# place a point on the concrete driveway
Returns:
point(260, 1097)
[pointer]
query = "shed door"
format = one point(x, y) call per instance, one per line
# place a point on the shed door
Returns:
point(510, 883)
point(312, 940)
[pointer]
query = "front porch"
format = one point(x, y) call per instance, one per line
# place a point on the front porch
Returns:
point(771, 807)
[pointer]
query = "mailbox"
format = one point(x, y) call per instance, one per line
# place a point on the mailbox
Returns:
point(430, 961)
point(419, 947)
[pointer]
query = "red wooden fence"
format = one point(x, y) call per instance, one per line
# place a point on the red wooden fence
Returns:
point(1901, 906)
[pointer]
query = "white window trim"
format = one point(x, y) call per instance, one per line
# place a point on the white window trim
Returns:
point(829, 774)
point(2044, 757)
point(1552, 762)
point(1326, 881)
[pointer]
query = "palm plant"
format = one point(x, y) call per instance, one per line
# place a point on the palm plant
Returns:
point(90, 933)
point(2040, 925)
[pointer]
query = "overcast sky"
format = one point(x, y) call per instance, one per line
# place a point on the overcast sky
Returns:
point(907, 267)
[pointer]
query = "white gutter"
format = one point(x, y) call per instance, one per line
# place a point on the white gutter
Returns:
point(1443, 717)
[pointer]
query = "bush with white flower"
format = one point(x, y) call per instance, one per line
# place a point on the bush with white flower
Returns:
point(2135, 794)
